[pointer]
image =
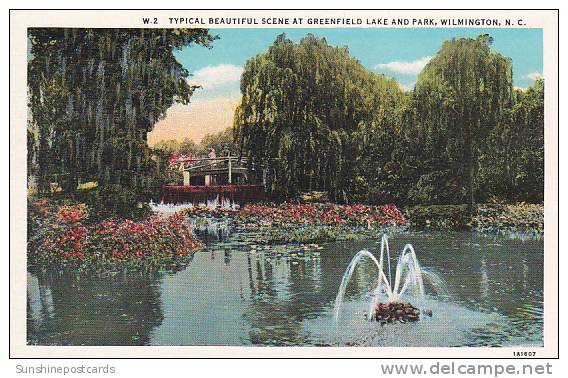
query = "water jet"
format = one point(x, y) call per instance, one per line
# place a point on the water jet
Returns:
point(390, 299)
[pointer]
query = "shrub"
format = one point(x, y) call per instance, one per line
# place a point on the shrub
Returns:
point(438, 217)
point(486, 217)
point(115, 201)
point(516, 218)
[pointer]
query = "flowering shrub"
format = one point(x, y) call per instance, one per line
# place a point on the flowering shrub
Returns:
point(42, 206)
point(72, 213)
point(175, 159)
point(329, 214)
point(157, 242)
point(521, 217)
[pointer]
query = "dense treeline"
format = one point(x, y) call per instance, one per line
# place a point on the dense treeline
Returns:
point(316, 119)
point(93, 96)
point(222, 142)
point(311, 116)
point(302, 104)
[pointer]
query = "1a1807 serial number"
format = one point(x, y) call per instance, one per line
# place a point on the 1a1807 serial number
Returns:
point(524, 354)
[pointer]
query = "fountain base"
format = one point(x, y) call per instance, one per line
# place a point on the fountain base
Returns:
point(391, 312)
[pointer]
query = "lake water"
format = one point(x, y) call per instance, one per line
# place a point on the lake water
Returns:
point(228, 296)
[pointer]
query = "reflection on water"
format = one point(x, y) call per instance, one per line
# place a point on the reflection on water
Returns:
point(74, 310)
point(228, 296)
point(209, 229)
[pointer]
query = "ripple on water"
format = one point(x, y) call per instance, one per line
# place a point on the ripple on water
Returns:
point(451, 324)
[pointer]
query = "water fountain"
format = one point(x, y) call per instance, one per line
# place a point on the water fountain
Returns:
point(209, 228)
point(168, 208)
point(211, 205)
point(388, 302)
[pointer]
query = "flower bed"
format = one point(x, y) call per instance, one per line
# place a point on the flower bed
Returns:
point(63, 240)
point(305, 223)
point(487, 218)
point(327, 214)
point(527, 218)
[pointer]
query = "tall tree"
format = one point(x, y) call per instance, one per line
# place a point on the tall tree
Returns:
point(223, 142)
point(301, 104)
point(512, 160)
point(95, 93)
point(460, 97)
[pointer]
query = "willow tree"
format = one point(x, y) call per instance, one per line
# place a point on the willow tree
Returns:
point(460, 96)
point(301, 104)
point(95, 93)
point(512, 160)
point(382, 156)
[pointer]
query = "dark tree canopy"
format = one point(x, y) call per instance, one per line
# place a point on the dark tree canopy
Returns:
point(95, 93)
point(318, 120)
point(311, 117)
point(301, 105)
point(460, 96)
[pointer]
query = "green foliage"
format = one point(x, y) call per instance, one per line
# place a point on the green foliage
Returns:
point(311, 118)
point(95, 93)
point(314, 234)
point(223, 142)
point(490, 218)
point(114, 201)
point(167, 147)
point(438, 187)
point(315, 119)
point(527, 218)
point(438, 217)
point(301, 105)
point(460, 97)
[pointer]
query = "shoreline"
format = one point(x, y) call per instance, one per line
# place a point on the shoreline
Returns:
point(67, 240)
point(488, 219)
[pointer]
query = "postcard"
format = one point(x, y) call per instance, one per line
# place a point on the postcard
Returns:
point(241, 183)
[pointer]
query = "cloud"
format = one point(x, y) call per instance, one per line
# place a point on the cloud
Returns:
point(534, 75)
point(202, 116)
point(211, 77)
point(211, 108)
point(405, 68)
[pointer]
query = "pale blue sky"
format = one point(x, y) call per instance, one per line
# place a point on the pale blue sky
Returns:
point(375, 48)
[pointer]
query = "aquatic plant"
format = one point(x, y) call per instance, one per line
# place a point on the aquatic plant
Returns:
point(487, 218)
point(522, 217)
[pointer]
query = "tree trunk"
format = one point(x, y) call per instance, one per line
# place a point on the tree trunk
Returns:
point(43, 163)
point(469, 169)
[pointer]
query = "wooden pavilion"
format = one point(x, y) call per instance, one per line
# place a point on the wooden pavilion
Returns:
point(219, 178)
